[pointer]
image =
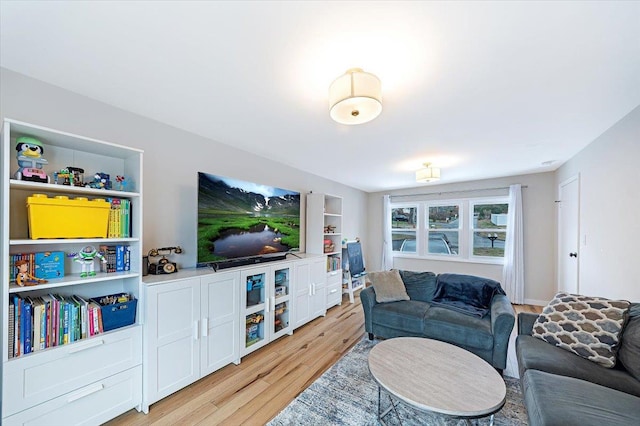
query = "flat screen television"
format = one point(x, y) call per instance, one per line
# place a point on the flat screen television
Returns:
point(243, 222)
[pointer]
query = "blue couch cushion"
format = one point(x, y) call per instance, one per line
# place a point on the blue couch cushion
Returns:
point(559, 400)
point(536, 354)
point(466, 294)
point(462, 330)
point(420, 285)
point(404, 315)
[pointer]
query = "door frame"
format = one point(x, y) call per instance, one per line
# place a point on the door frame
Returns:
point(559, 263)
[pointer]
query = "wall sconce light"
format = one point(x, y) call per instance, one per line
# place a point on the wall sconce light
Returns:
point(355, 97)
point(428, 174)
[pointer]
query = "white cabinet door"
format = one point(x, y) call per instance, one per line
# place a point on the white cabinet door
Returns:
point(220, 307)
point(255, 305)
point(302, 294)
point(318, 287)
point(172, 338)
point(280, 317)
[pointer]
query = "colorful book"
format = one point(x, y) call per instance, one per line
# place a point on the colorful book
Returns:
point(12, 324)
point(27, 331)
point(49, 265)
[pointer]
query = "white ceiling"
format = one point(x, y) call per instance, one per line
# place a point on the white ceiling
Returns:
point(481, 89)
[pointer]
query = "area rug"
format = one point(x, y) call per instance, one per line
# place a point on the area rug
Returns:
point(346, 394)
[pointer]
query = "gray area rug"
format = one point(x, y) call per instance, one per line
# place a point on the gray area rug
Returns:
point(346, 394)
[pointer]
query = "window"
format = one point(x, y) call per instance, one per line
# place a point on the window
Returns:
point(472, 229)
point(443, 229)
point(404, 221)
point(488, 229)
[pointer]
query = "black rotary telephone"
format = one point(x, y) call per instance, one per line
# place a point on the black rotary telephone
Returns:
point(163, 265)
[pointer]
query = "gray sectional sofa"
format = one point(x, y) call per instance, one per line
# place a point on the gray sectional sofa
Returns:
point(562, 388)
point(484, 335)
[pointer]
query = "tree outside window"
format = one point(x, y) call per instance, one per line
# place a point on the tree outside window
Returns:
point(404, 228)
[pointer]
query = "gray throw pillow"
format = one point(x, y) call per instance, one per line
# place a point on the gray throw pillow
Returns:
point(388, 286)
point(420, 285)
point(629, 352)
point(587, 326)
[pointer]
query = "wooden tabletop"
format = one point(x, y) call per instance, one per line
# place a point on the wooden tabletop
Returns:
point(435, 376)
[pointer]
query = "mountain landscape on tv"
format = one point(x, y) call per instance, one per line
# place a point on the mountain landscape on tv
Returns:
point(242, 219)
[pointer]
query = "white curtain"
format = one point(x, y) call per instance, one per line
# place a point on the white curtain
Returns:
point(387, 248)
point(513, 272)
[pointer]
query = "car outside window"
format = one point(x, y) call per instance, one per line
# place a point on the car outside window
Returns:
point(468, 229)
point(404, 221)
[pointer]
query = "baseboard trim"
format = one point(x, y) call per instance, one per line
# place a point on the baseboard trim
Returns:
point(536, 302)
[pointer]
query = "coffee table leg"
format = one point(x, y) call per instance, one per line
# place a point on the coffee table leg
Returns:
point(476, 422)
point(381, 415)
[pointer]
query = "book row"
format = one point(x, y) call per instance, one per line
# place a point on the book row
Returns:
point(51, 265)
point(333, 263)
point(119, 224)
point(37, 323)
point(118, 258)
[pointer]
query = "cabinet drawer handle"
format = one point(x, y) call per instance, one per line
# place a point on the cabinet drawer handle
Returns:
point(205, 327)
point(333, 291)
point(89, 345)
point(333, 273)
point(85, 392)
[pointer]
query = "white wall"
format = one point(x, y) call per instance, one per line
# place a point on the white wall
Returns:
point(172, 158)
point(539, 232)
point(609, 210)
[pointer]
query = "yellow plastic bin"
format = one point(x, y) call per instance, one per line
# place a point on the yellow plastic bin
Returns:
point(61, 217)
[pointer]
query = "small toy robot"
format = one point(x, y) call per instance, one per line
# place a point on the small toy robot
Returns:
point(23, 277)
point(86, 258)
point(30, 160)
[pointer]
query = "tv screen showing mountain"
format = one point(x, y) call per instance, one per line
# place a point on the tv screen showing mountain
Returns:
point(238, 219)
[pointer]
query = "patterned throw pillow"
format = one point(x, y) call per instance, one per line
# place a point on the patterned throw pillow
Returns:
point(587, 326)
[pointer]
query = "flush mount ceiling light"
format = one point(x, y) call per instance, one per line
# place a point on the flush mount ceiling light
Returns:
point(355, 97)
point(428, 174)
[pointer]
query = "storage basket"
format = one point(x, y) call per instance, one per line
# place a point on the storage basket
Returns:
point(118, 314)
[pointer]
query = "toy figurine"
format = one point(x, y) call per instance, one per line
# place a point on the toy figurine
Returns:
point(100, 181)
point(121, 181)
point(23, 277)
point(68, 176)
point(85, 257)
point(30, 160)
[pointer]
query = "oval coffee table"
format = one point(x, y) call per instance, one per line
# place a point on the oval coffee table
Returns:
point(437, 377)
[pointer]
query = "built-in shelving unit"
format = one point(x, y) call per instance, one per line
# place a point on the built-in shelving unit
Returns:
point(64, 383)
point(324, 236)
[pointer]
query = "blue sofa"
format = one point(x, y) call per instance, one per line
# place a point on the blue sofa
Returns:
point(561, 388)
point(486, 336)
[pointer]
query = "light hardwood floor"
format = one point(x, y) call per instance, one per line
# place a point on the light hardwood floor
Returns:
point(268, 379)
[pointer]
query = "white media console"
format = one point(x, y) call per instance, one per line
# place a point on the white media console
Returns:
point(197, 321)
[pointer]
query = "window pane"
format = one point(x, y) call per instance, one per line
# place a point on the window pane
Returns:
point(443, 242)
point(444, 217)
point(404, 217)
point(488, 244)
point(490, 216)
point(404, 241)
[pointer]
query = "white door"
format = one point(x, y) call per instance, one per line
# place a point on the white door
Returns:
point(569, 235)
